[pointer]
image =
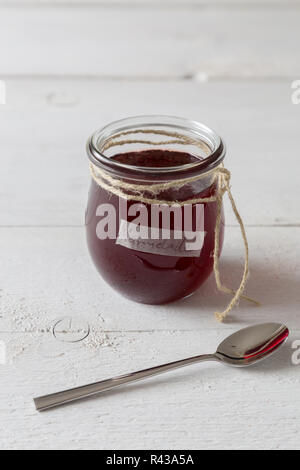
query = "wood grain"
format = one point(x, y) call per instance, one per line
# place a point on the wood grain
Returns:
point(149, 42)
point(47, 274)
point(206, 406)
point(45, 124)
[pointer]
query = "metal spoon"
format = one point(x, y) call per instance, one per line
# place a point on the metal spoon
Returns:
point(243, 348)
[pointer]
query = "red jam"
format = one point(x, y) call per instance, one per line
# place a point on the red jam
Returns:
point(146, 277)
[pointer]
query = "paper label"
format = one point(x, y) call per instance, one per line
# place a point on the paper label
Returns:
point(160, 241)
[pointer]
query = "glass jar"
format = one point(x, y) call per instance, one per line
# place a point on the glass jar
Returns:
point(167, 252)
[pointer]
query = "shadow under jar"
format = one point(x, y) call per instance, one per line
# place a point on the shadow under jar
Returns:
point(145, 169)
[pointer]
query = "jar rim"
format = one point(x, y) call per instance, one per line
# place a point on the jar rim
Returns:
point(200, 131)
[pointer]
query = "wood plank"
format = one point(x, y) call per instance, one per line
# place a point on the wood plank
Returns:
point(150, 42)
point(46, 274)
point(181, 409)
point(44, 126)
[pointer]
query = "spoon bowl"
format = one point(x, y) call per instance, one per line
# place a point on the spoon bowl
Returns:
point(252, 344)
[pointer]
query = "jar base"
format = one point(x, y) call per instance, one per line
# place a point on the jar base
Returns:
point(163, 302)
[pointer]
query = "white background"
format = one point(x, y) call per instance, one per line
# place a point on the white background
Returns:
point(71, 67)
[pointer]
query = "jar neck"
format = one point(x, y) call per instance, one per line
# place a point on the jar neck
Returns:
point(156, 132)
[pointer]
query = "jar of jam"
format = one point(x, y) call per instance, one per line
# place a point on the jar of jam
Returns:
point(153, 206)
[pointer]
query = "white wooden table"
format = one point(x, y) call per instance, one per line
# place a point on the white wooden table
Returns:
point(71, 67)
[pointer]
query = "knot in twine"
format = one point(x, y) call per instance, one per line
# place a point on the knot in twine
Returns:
point(136, 192)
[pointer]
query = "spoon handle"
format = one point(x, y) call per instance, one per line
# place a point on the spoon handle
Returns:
point(60, 398)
